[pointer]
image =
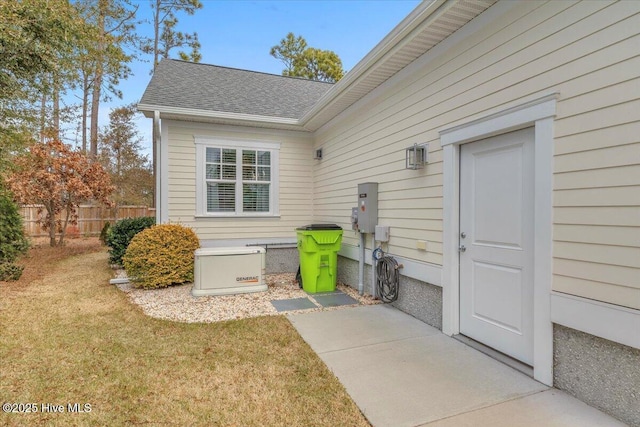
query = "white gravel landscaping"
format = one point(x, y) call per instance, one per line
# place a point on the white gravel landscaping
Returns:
point(176, 302)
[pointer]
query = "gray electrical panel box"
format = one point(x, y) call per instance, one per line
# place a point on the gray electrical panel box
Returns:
point(367, 207)
point(354, 218)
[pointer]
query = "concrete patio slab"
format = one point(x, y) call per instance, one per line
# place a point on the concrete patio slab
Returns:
point(418, 380)
point(402, 372)
point(551, 408)
point(357, 327)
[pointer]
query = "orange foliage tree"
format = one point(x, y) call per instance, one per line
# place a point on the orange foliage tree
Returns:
point(59, 178)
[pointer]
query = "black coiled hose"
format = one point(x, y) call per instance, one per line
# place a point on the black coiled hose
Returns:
point(388, 278)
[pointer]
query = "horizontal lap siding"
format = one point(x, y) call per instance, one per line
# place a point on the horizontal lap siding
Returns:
point(296, 184)
point(590, 53)
point(597, 172)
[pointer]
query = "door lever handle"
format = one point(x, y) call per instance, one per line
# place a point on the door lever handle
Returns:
point(462, 248)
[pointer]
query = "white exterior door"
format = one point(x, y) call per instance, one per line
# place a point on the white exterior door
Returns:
point(496, 242)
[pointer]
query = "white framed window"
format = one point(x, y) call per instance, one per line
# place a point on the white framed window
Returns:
point(236, 178)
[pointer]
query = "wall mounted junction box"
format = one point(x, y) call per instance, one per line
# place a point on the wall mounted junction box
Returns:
point(382, 233)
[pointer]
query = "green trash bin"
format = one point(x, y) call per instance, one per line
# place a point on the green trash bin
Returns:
point(318, 246)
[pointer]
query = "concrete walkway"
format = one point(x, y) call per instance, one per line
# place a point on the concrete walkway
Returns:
point(402, 372)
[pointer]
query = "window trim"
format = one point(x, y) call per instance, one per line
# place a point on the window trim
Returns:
point(202, 142)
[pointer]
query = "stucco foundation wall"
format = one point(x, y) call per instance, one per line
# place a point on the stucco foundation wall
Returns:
point(602, 373)
point(282, 260)
point(419, 299)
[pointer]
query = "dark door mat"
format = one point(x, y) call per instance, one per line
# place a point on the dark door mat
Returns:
point(334, 300)
point(293, 304)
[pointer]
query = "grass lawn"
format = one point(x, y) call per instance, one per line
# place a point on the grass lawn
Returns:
point(67, 336)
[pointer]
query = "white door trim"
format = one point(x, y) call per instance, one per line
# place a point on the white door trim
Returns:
point(540, 113)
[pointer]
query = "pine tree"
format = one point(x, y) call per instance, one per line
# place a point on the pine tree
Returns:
point(301, 60)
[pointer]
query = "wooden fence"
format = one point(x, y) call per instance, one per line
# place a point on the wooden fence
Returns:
point(91, 219)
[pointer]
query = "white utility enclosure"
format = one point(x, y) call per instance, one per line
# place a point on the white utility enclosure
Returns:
point(224, 271)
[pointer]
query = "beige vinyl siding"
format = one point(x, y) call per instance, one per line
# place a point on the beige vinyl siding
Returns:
point(589, 52)
point(296, 184)
point(597, 216)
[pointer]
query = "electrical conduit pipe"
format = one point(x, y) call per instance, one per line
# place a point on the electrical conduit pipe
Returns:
point(373, 268)
point(361, 265)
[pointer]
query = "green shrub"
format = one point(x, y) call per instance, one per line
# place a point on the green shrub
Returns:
point(161, 256)
point(10, 271)
point(13, 242)
point(105, 232)
point(122, 232)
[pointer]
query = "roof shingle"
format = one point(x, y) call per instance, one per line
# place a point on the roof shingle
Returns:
point(214, 88)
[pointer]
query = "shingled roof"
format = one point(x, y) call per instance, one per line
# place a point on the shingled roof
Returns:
point(212, 94)
point(213, 88)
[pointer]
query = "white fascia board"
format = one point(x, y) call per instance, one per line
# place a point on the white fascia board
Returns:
point(259, 132)
point(194, 113)
point(393, 39)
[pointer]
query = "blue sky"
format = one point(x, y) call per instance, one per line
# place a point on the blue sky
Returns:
point(239, 34)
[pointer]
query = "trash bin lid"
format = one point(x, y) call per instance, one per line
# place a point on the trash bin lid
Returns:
point(320, 227)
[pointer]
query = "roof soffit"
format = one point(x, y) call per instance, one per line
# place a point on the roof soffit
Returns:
point(424, 28)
